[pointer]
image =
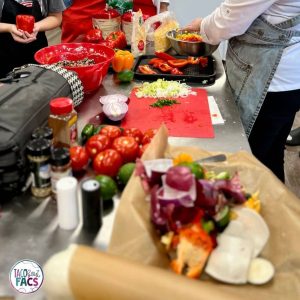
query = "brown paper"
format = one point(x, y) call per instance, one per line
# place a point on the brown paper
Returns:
point(134, 238)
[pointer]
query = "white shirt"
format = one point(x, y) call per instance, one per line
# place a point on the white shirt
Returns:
point(233, 18)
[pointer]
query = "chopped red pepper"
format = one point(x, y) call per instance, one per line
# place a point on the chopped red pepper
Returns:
point(145, 69)
point(203, 61)
point(178, 63)
point(176, 71)
point(164, 67)
point(193, 60)
point(164, 56)
point(155, 61)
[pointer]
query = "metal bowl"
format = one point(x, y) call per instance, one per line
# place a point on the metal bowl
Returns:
point(189, 48)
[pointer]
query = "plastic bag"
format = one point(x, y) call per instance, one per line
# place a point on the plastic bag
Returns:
point(121, 5)
point(156, 29)
point(138, 38)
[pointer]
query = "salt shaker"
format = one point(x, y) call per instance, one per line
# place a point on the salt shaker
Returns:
point(67, 204)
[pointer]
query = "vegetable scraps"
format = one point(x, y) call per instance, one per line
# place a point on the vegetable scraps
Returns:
point(202, 219)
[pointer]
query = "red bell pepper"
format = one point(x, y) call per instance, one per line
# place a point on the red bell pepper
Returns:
point(203, 61)
point(25, 23)
point(164, 67)
point(117, 40)
point(164, 56)
point(176, 71)
point(178, 63)
point(193, 60)
point(94, 36)
point(145, 69)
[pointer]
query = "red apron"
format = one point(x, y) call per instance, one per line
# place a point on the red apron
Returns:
point(147, 7)
point(77, 19)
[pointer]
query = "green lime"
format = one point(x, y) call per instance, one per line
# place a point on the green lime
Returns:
point(125, 172)
point(108, 187)
point(223, 175)
point(222, 218)
point(195, 168)
point(125, 76)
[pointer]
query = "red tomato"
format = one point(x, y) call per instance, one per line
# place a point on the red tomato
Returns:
point(111, 131)
point(96, 144)
point(148, 135)
point(107, 162)
point(134, 132)
point(142, 149)
point(25, 23)
point(127, 147)
point(79, 158)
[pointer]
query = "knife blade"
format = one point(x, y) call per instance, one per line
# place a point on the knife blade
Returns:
point(213, 158)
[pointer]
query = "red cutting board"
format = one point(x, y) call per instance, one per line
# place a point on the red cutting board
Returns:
point(190, 118)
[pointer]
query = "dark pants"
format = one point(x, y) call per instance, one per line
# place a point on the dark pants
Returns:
point(272, 127)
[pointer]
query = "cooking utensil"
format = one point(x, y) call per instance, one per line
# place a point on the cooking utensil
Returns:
point(214, 158)
point(189, 48)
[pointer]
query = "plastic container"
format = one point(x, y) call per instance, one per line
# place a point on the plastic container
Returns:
point(108, 20)
point(63, 121)
point(38, 153)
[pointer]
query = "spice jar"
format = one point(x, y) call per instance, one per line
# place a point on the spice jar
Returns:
point(60, 166)
point(38, 154)
point(63, 121)
point(42, 133)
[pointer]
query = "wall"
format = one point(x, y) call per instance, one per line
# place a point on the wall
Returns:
point(187, 10)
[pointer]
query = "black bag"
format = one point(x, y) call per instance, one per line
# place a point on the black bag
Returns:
point(24, 106)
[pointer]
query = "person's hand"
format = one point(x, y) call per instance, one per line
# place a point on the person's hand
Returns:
point(194, 25)
point(21, 36)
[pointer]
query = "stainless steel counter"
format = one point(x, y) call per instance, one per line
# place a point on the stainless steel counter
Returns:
point(29, 228)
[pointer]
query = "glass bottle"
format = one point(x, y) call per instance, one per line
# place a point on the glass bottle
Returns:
point(38, 154)
point(63, 121)
point(60, 167)
point(42, 133)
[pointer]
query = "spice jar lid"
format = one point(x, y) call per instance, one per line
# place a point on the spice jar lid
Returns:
point(38, 147)
point(61, 106)
point(42, 133)
point(60, 156)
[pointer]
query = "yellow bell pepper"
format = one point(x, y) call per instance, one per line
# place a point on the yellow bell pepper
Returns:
point(253, 202)
point(123, 60)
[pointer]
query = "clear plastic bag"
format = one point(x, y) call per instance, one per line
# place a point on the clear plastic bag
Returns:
point(156, 29)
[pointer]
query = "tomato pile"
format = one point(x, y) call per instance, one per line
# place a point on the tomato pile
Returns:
point(107, 148)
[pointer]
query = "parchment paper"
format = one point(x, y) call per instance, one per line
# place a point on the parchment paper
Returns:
point(134, 238)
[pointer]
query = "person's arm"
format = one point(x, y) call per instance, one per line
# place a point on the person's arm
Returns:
point(231, 18)
point(53, 20)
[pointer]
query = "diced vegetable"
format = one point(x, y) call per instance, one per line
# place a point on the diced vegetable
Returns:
point(260, 271)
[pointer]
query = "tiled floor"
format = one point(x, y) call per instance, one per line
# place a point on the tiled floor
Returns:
point(292, 159)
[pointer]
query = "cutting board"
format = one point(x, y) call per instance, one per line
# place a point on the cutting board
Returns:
point(190, 118)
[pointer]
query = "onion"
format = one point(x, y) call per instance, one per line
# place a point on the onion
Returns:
point(115, 111)
point(180, 178)
point(113, 98)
